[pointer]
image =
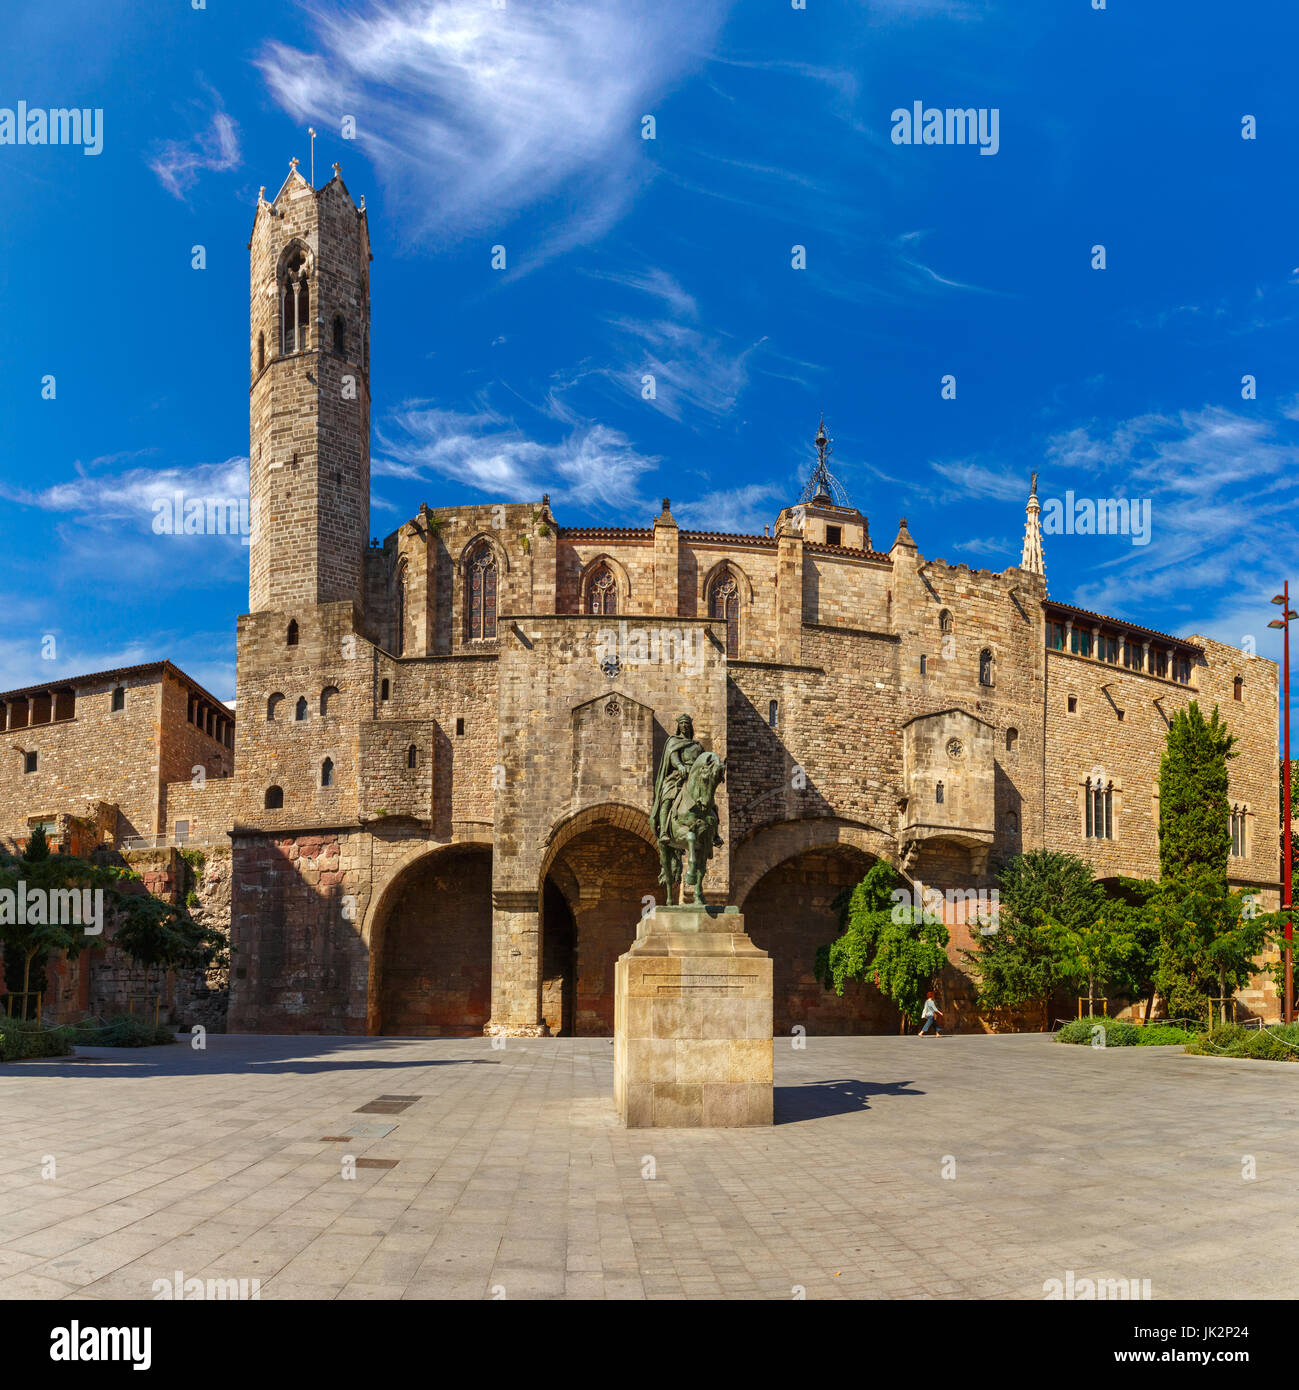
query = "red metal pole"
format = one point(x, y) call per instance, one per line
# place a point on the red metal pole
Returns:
point(1287, 1011)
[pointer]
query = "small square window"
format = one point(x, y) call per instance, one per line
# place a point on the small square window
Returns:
point(834, 535)
point(29, 762)
point(1073, 704)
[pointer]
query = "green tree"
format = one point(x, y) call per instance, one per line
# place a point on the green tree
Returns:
point(43, 880)
point(1194, 843)
point(1194, 812)
point(158, 933)
point(1209, 943)
point(898, 948)
point(1048, 903)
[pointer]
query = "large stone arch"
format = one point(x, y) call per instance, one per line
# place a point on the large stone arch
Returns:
point(599, 865)
point(456, 906)
point(788, 876)
point(769, 845)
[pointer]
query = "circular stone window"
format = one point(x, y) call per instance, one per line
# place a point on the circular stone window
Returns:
point(954, 748)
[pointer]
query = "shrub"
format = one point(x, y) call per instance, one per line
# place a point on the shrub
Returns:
point(1164, 1035)
point(21, 1039)
point(1277, 1044)
point(1118, 1032)
point(126, 1030)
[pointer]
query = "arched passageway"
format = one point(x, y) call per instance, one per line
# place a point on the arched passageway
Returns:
point(591, 903)
point(789, 914)
point(434, 938)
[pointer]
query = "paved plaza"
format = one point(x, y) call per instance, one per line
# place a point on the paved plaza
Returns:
point(510, 1176)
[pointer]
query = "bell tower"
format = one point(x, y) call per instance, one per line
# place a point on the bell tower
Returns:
point(309, 400)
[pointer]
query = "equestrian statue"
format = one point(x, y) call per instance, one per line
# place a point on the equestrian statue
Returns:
point(683, 813)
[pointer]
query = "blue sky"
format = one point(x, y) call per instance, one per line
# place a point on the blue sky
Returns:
point(522, 126)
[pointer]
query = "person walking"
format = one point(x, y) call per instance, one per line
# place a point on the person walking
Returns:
point(930, 1014)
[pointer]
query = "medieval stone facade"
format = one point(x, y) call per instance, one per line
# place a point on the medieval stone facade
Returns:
point(444, 756)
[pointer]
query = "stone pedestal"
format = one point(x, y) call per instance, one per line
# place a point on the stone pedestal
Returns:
point(692, 1023)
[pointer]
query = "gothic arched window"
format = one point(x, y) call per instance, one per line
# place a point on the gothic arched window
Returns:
point(295, 304)
point(602, 591)
point(301, 712)
point(482, 592)
point(724, 603)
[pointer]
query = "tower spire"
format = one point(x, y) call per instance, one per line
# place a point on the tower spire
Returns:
point(823, 486)
point(1032, 560)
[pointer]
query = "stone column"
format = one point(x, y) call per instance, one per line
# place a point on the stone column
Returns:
point(516, 966)
point(667, 583)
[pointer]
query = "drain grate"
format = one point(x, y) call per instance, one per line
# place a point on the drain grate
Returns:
point(387, 1105)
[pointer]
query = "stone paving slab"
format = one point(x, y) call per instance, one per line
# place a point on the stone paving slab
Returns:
point(961, 1167)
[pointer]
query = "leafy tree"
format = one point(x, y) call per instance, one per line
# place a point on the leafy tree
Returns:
point(157, 933)
point(1194, 842)
point(1194, 813)
point(883, 942)
point(148, 930)
point(1049, 903)
point(1209, 940)
point(41, 877)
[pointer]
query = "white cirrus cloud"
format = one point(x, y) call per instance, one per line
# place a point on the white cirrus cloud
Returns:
point(593, 467)
point(471, 112)
point(213, 149)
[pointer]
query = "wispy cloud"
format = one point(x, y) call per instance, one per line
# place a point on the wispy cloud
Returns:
point(470, 112)
point(743, 509)
point(982, 480)
point(213, 148)
point(593, 467)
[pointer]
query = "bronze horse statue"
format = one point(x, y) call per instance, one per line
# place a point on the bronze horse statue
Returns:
point(689, 828)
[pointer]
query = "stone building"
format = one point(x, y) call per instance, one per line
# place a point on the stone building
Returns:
point(443, 759)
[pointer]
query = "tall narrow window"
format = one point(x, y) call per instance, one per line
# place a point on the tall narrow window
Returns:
point(291, 638)
point(119, 698)
point(1239, 848)
point(30, 761)
point(327, 697)
point(261, 351)
point(938, 793)
point(724, 604)
point(384, 688)
point(771, 714)
point(1237, 687)
point(288, 319)
point(327, 773)
point(412, 756)
point(340, 336)
point(602, 591)
point(944, 621)
point(985, 666)
point(273, 706)
point(304, 313)
point(1098, 809)
point(301, 712)
point(1012, 740)
point(482, 593)
point(923, 663)
point(1055, 637)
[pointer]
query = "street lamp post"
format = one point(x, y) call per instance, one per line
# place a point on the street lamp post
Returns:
point(1287, 1004)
